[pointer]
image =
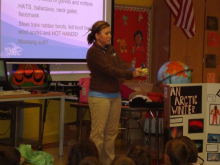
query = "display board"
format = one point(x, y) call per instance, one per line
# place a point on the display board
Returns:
point(193, 110)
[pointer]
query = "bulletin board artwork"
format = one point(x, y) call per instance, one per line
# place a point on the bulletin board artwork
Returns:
point(132, 34)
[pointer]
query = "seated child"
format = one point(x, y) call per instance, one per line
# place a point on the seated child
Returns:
point(81, 150)
point(176, 153)
point(140, 155)
point(122, 160)
point(193, 150)
point(9, 156)
point(90, 160)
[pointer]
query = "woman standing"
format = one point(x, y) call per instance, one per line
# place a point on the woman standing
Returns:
point(104, 96)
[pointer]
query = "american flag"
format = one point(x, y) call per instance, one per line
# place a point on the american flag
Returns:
point(184, 15)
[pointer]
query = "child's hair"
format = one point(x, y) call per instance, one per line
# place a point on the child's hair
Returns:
point(177, 151)
point(90, 160)
point(9, 156)
point(81, 150)
point(193, 150)
point(122, 160)
point(139, 154)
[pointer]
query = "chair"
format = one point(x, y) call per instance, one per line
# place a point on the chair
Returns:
point(11, 110)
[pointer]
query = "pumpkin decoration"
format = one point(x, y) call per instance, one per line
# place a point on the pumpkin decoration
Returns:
point(18, 77)
point(28, 72)
point(29, 75)
point(38, 77)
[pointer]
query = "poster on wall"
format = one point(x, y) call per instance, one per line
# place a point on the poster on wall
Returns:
point(210, 61)
point(176, 132)
point(186, 100)
point(213, 157)
point(199, 145)
point(132, 34)
point(214, 114)
point(213, 39)
point(196, 126)
point(212, 23)
point(213, 138)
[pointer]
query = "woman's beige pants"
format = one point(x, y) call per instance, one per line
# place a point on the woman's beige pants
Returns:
point(105, 115)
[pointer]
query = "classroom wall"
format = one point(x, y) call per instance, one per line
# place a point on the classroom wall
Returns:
point(160, 39)
point(194, 51)
point(190, 51)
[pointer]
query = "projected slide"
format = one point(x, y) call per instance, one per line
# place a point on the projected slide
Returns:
point(51, 29)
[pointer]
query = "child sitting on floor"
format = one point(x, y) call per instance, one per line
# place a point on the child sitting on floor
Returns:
point(140, 155)
point(9, 156)
point(122, 160)
point(91, 160)
point(176, 153)
point(81, 150)
point(193, 156)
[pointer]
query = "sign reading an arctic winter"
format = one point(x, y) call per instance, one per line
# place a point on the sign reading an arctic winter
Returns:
point(186, 100)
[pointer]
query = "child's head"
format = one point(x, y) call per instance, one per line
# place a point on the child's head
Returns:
point(176, 152)
point(81, 150)
point(9, 156)
point(122, 160)
point(139, 154)
point(193, 155)
point(90, 160)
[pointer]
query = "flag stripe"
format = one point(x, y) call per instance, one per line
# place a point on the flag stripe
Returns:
point(189, 17)
point(173, 5)
point(184, 15)
point(180, 14)
point(191, 20)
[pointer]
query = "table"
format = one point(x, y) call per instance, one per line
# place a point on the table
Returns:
point(15, 108)
point(82, 107)
point(43, 96)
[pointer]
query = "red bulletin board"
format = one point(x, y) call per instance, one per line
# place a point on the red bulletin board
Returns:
point(132, 34)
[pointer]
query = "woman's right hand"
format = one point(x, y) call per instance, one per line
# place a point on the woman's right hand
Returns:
point(137, 72)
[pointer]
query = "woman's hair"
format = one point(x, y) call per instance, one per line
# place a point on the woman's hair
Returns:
point(9, 156)
point(81, 150)
point(193, 150)
point(122, 160)
point(139, 154)
point(96, 28)
point(91, 160)
point(177, 151)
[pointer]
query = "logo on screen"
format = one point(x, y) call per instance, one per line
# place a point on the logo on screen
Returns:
point(13, 50)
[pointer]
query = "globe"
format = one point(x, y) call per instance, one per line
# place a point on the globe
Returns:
point(173, 72)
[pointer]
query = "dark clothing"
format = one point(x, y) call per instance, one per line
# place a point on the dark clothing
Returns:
point(106, 69)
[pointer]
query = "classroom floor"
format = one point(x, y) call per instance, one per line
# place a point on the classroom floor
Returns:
point(120, 149)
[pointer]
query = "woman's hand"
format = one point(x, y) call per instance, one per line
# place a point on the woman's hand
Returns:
point(138, 72)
